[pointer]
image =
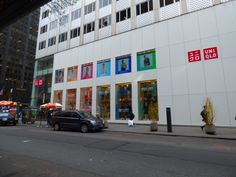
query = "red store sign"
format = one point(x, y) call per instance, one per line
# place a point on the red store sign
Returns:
point(38, 82)
point(194, 56)
point(210, 53)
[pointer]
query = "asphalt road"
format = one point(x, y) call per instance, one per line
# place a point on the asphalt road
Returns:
point(27, 151)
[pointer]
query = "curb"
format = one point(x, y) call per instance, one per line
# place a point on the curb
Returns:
point(177, 135)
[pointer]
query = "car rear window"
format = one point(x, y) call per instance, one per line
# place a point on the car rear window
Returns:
point(3, 114)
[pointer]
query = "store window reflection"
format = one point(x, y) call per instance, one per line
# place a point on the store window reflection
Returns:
point(103, 101)
point(57, 96)
point(86, 99)
point(147, 103)
point(123, 100)
point(71, 99)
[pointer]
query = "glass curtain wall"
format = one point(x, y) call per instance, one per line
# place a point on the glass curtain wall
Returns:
point(123, 100)
point(86, 99)
point(103, 101)
point(147, 100)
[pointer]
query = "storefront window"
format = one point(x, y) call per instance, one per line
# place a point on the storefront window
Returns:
point(71, 99)
point(103, 101)
point(147, 103)
point(123, 101)
point(86, 99)
point(57, 98)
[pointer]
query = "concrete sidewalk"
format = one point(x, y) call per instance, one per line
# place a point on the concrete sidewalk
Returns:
point(183, 131)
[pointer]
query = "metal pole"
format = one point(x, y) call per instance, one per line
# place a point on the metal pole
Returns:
point(168, 116)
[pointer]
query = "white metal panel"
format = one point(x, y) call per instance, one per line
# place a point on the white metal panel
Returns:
point(89, 2)
point(196, 78)
point(181, 108)
point(170, 11)
point(230, 74)
point(74, 42)
point(123, 26)
point(105, 11)
point(89, 37)
point(213, 70)
point(122, 4)
point(104, 32)
point(193, 5)
point(89, 17)
point(145, 19)
point(179, 80)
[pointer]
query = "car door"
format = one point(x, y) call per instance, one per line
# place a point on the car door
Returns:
point(75, 118)
point(66, 121)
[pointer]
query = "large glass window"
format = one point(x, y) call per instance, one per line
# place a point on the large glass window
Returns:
point(103, 3)
point(123, 101)
point(89, 27)
point(86, 99)
point(64, 20)
point(147, 103)
point(144, 7)
point(75, 14)
point(103, 101)
point(89, 8)
point(71, 99)
point(167, 2)
point(123, 15)
point(57, 98)
point(105, 21)
point(53, 25)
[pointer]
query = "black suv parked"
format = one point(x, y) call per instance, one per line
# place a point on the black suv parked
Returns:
point(81, 120)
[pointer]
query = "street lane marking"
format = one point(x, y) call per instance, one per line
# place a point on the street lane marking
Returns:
point(27, 141)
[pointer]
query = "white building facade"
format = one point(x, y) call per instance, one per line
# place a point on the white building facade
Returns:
point(113, 55)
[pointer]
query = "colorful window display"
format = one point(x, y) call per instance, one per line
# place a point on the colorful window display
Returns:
point(86, 99)
point(147, 103)
point(123, 101)
point(72, 73)
point(146, 60)
point(71, 99)
point(103, 101)
point(87, 71)
point(59, 76)
point(57, 98)
point(123, 64)
point(104, 68)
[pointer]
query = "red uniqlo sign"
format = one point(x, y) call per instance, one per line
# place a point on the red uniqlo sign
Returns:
point(36, 82)
point(210, 53)
point(41, 83)
point(194, 56)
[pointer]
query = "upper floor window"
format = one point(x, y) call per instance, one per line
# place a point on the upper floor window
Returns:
point(75, 14)
point(51, 41)
point(144, 7)
point(105, 21)
point(62, 37)
point(53, 25)
point(43, 29)
point(42, 45)
point(45, 14)
point(89, 27)
point(123, 15)
point(75, 32)
point(64, 20)
point(167, 2)
point(103, 3)
point(89, 8)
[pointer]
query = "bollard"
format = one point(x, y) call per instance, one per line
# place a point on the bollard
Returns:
point(168, 116)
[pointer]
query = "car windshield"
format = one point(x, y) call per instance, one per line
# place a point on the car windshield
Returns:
point(2, 114)
point(86, 114)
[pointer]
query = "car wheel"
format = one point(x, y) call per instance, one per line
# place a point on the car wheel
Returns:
point(84, 128)
point(57, 127)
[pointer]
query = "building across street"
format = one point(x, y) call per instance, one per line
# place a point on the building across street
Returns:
point(112, 57)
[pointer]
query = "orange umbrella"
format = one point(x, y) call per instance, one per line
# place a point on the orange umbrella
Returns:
point(6, 103)
point(51, 105)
